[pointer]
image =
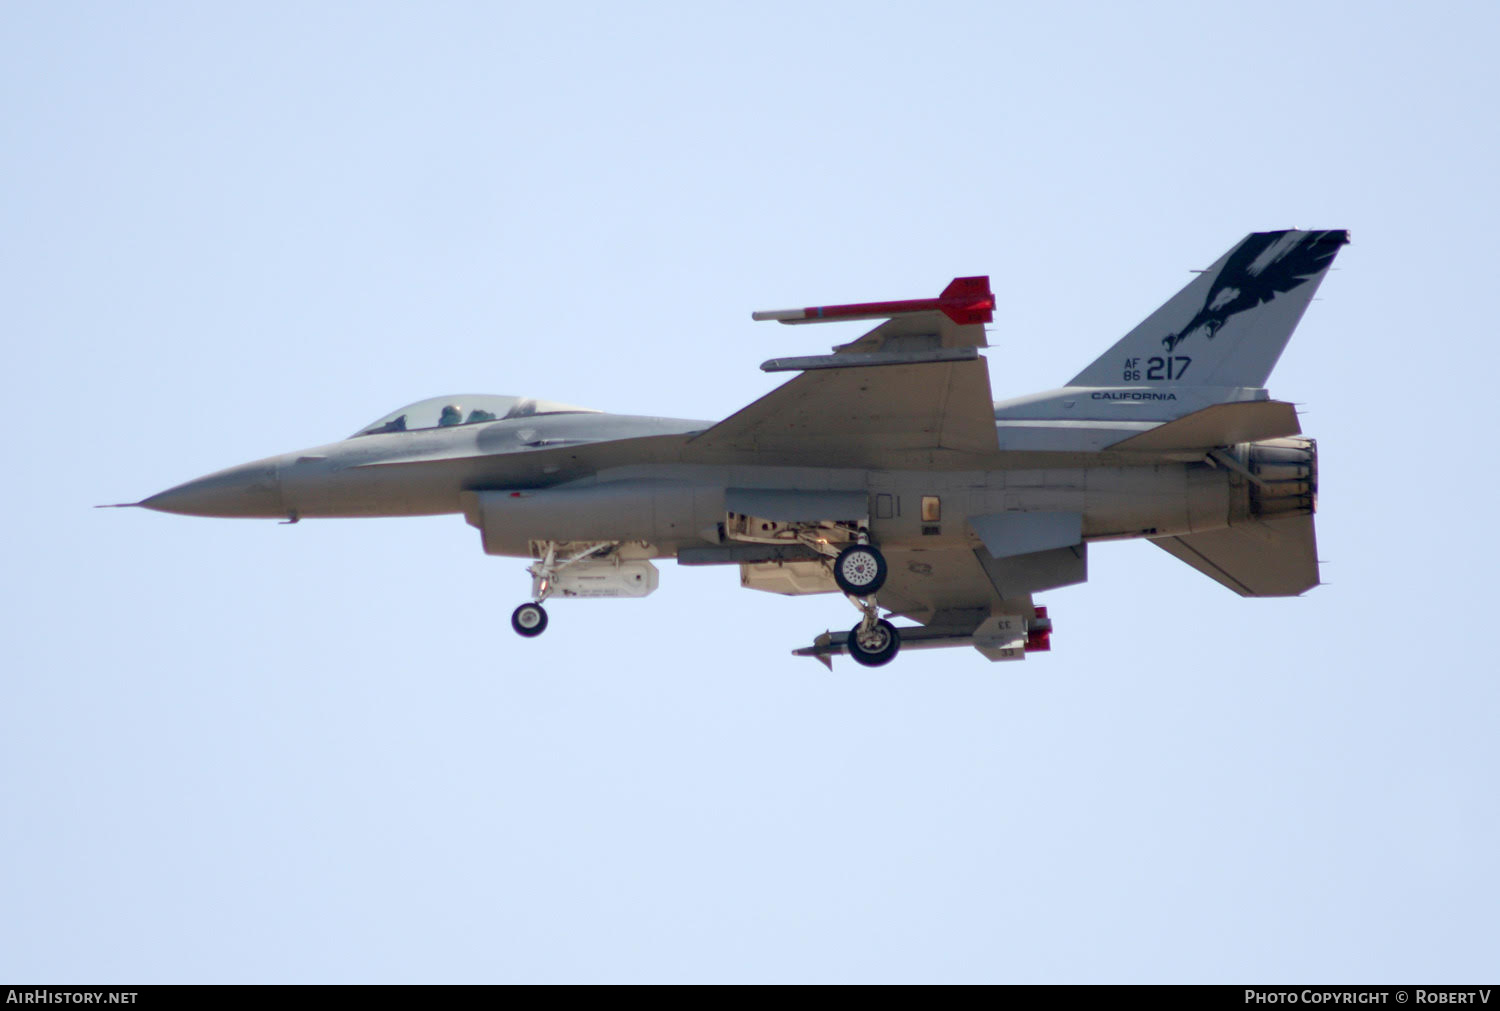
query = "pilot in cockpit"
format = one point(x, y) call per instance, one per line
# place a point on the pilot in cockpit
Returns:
point(450, 412)
point(396, 424)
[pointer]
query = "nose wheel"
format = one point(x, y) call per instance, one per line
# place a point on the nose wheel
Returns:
point(529, 620)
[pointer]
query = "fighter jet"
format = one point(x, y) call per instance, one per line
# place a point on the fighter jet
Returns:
point(884, 471)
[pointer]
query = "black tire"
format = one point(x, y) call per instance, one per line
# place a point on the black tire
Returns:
point(859, 570)
point(529, 620)
point(880, 648)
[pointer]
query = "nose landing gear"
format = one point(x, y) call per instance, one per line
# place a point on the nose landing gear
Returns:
point(581, 569)
point(529, 620)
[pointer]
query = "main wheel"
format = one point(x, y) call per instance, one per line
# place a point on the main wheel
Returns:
point(529, 620)
point(859, 570)
point(875, 647)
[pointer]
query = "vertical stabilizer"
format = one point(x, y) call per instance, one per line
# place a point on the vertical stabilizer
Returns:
point(1229, 326)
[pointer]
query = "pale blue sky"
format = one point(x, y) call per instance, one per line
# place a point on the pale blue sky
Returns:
point(237, 751)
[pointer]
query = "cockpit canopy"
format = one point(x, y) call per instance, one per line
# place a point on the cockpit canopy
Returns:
point(464, 409)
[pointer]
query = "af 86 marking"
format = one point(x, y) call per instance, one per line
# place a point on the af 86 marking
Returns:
point(1156, 369)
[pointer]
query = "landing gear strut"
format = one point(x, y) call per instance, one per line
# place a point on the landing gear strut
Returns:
point(531, 619)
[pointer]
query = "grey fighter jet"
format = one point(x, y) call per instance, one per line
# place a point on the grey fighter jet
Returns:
point(883, 471)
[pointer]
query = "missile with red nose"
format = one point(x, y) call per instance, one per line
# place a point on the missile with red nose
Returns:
point(966, 300)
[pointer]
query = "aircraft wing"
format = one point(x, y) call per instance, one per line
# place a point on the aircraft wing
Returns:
point(914, 384)
point(863, 416)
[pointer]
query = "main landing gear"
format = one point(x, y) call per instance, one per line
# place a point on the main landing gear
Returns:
point(875, 645)
point(860, 571)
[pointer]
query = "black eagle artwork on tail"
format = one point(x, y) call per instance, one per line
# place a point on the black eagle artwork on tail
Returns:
point(1240, 285)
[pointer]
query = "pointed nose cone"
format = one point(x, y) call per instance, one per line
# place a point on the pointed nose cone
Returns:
point(249, 490)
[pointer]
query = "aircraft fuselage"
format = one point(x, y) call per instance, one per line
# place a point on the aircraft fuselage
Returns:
point(640, 484)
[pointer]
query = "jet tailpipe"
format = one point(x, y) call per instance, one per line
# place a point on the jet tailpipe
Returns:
point(1286, 477)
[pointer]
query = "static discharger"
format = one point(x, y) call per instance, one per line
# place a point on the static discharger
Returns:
point(966, 300)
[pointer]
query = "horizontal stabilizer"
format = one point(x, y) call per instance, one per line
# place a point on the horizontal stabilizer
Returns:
point(1264, 558)
point(1219, 425)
